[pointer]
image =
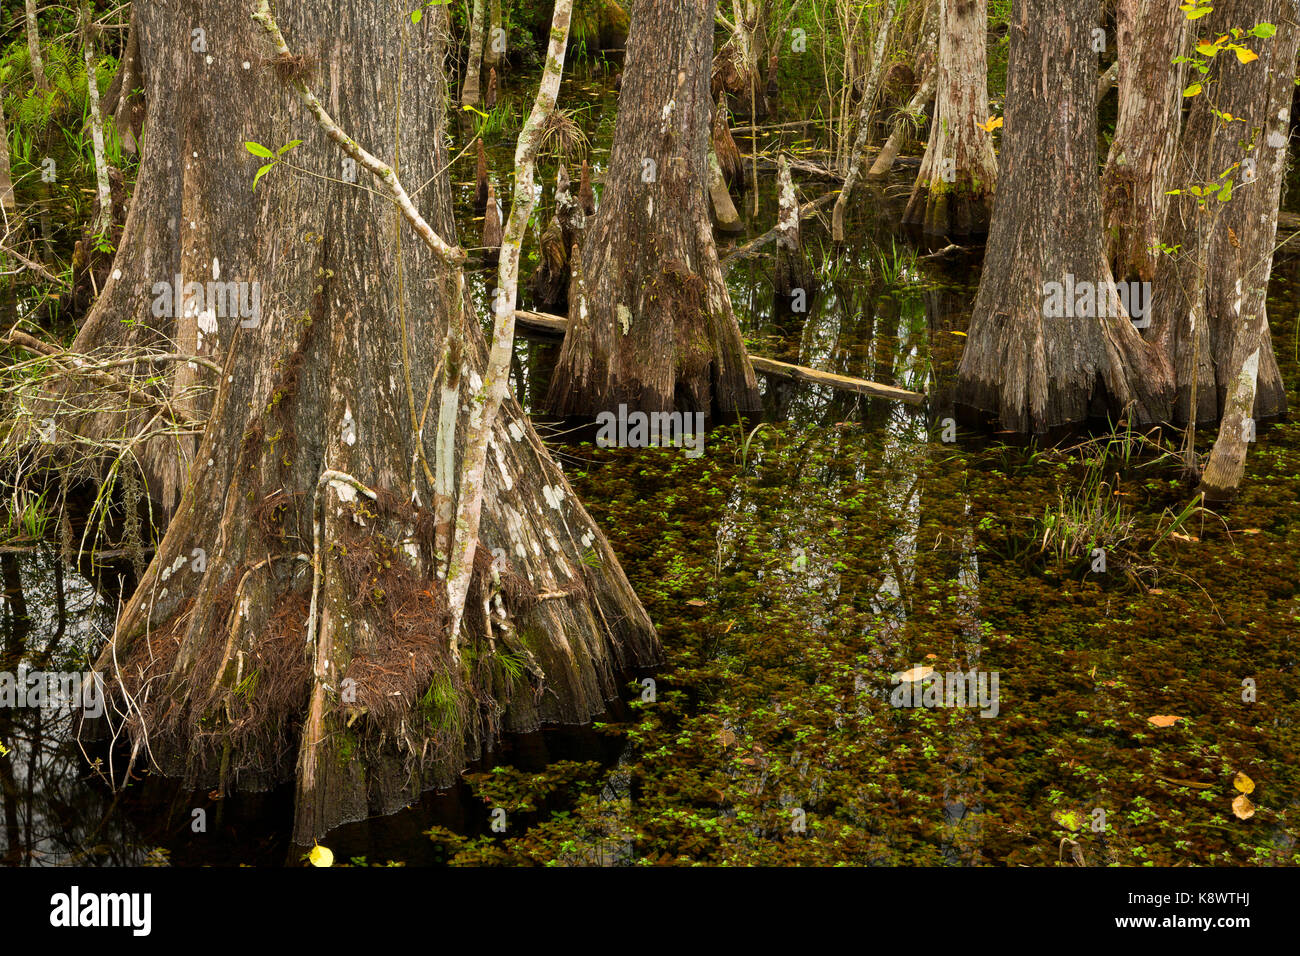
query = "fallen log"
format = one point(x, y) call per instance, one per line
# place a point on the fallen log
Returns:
point(542, 322)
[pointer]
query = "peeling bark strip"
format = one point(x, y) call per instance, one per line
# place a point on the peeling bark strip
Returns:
point(955, 185)
point(652, 325)
point(1036, 372)
point(210, 668)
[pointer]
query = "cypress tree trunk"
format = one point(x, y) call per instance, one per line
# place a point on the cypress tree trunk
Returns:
point(471, 89)
point(1151, 34)
point(1220, 275)
point(304, 554)
point(1243, 230)
point(1032, 367)
point(651, 323)
point(954, 187)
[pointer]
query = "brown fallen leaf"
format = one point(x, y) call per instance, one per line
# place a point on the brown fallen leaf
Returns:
point(1178, 536)
point(726, 737)
point(1243, 783)
point(1163, 720)
point(920, 672)
point(1242, 807)
point(696, 602)
point(1194, 784)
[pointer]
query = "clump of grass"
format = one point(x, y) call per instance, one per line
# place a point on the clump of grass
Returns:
point(26, 517)
point(1092, 517)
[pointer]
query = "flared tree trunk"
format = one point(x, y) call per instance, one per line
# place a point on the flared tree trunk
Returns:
point(318, 483)
point(954, 188)
point(650, 322)
point(1218, 277)
point(1039, 354)
point(1151, 34)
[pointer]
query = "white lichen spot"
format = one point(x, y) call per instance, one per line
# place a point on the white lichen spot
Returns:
point(208, 59)
point(246, 65)
point(216, 268)
point(516, 432)
point(474, 381)
point(1277, 139)
point(501, 464)
point(349, 429)
point(208, 321)
point(586, 539)
point(117, 273)
point(624, 317)
point(344, 490)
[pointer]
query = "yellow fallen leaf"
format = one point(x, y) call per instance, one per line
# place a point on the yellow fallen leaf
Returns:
point(994, 123)
point(1245, 56)
point(920, 672)
point(962, 334)
point(1163, 720)
point(321, 856)
point(1243, 783)
point(1242, 807)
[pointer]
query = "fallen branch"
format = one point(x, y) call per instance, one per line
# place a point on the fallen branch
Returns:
point(751, 247)
point(546, 324)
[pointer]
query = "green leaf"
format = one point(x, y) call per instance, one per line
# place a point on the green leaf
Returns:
point(1263, 31)
point(257, 149)
point(417, 15)
point(1193, 90)
point(1226, 193)
point(288, 146)
point(260, 173)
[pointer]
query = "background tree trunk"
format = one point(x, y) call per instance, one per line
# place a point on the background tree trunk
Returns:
point(1037, 372)
point(1151, 34)
point(1260, 93)
point(954, 187)
point(470, 91)
point(1221, 272)
point(654, 328)
point(208, 661)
